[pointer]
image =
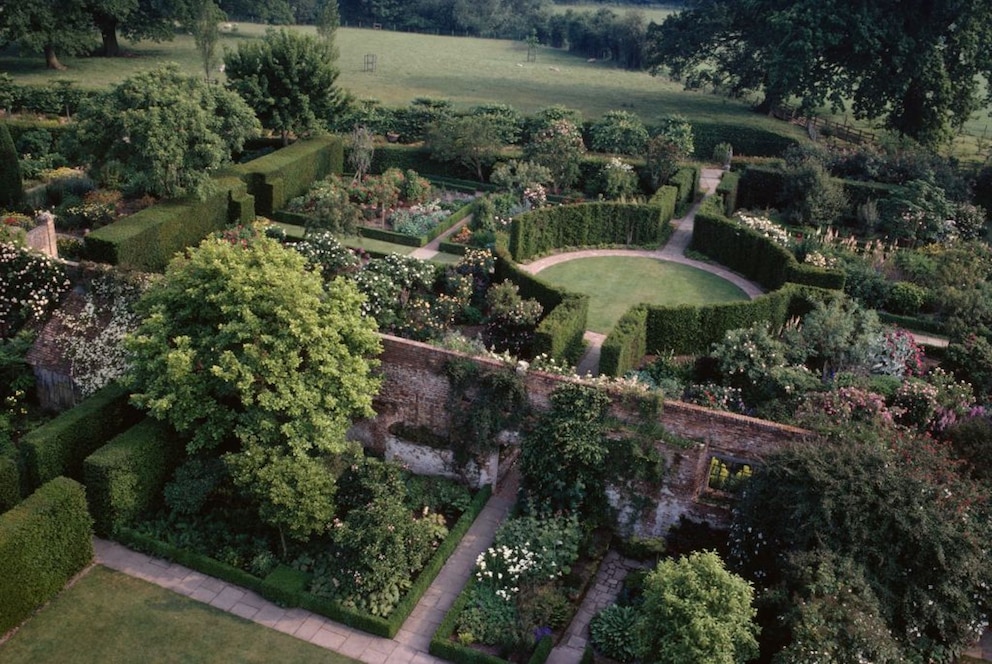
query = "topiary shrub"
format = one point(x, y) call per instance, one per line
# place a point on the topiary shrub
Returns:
point(11, 187)
point(44, 542)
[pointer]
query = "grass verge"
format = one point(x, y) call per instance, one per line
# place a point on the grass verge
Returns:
point(107, 617)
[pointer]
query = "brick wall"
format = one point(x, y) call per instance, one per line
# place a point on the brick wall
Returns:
point(416, 392)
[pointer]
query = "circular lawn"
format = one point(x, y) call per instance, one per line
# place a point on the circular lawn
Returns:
point(616, 283)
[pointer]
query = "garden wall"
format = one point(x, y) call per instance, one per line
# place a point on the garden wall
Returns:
point(416, 392)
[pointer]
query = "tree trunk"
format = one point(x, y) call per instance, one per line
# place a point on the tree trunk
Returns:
point(285, 137)
point(111, 49)
point(52, 60)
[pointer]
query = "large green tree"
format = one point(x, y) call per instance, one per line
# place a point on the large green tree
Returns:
point(289, 79)
point(470, 140)
point(48, 26)
point(918, 64)
point(694, 610)
point(895, 507)
point(243, 349)
point(168, 129)
point(154, 20)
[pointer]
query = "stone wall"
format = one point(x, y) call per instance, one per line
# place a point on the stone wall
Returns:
point(416, 393)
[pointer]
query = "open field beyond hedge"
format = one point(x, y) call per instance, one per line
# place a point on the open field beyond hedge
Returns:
point(616, 283)
point(110, 618)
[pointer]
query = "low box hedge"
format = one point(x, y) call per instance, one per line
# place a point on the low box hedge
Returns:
point(285, 588)
point(60, 446)
point(125, 477)
point(44, 542)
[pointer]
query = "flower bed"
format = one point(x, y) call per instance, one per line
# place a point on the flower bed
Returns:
point(314, 578)
point(525, 591)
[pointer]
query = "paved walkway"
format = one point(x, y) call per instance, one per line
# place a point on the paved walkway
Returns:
point(433, 248)
point(411, 642)
point(604, 591)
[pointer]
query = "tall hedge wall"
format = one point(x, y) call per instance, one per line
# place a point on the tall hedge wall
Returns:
point(760, 187)
point(626, 345)
point(44, 542)
point(665, 198)
point(275, 178)
point(559, 334)
point(745, 139)
point(147, 240)
point(727, 191)
point(125, 477)
point(686, 180)
point(59, 446)
point(751, 253)
point(544, 229)
point(687, 330)
point(10, 482)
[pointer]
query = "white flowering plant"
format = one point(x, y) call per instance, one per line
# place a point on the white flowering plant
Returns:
point(31, 285)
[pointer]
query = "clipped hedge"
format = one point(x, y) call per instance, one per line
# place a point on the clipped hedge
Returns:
point(542, 230)
point(284, 587)
point(560, 332)
point(147, 240)
point(289, 172)
point(626, 345)
point(686, 330)
point(686, 180)
point(413, 157)
point(44, 542)
point(665, 198)
point(125, 477)
point(727, 190)
point(760, 187)
point(752, 254)
point(60, 446)
point(746, 140)
point(10, 483)
point(414, 240)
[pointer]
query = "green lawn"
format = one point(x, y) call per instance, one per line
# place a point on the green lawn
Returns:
point(466, 70)
point(110, 618)
point(616, 283)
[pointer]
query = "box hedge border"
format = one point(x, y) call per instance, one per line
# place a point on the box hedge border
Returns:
point(284, 592)
point(61, 445)
point(10, 482)
point(44, 541)
point(125, 477)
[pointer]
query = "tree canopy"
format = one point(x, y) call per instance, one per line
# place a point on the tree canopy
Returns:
point(897, 512)
point(918, 64)
point(288, 79)
point(49, 26)
point(169, 130)
point(242, 349)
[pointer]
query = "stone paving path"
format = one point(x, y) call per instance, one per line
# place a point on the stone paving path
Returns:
point(411, 642)
point(604, 591)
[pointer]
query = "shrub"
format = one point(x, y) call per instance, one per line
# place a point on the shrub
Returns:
point(60, 446)
point(619, 132)
point(33, 285)
point(126, 476)
point(44, 541)
point(612, 632)
point(905, 297)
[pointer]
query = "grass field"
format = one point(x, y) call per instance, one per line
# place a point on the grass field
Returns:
point(466, 70)
point(110, 618)
point(616, 283)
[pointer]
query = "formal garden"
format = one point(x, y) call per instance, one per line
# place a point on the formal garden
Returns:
point(233, 262)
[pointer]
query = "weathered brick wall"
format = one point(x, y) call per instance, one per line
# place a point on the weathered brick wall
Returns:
point(416, 392)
